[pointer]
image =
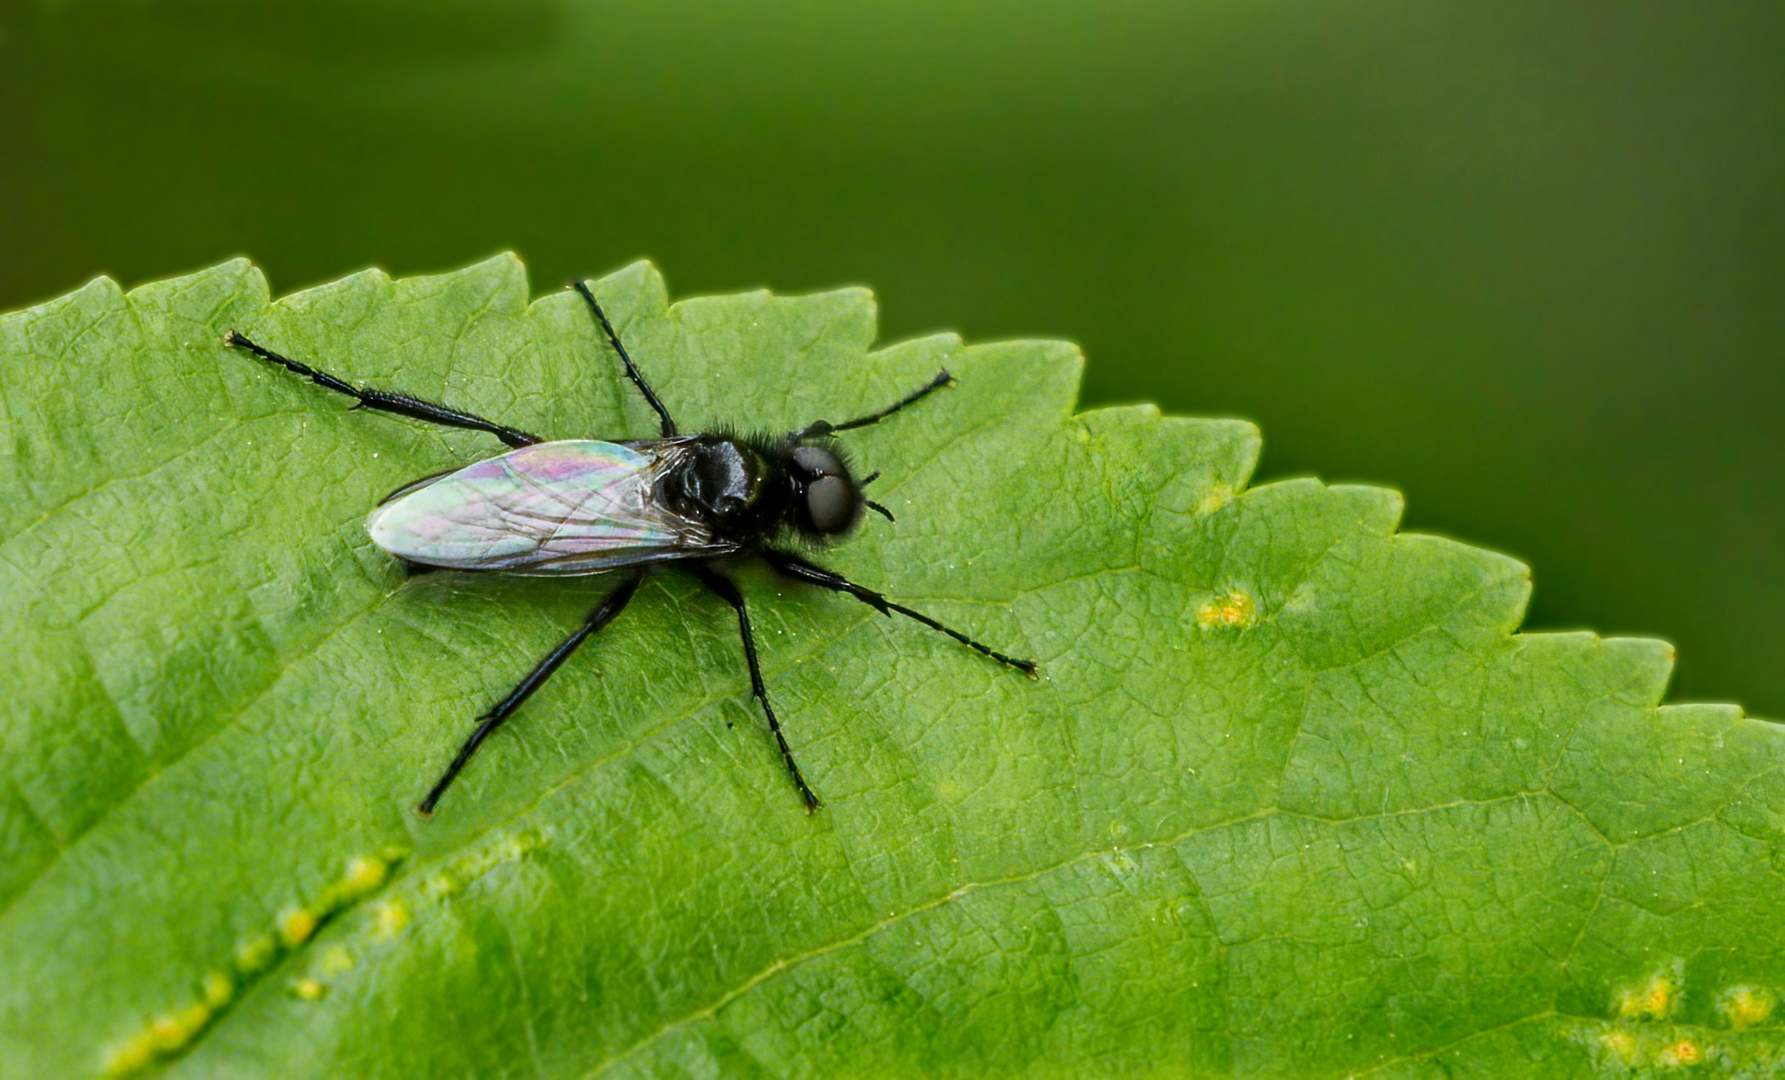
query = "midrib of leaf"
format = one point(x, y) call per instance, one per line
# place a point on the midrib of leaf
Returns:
point(417, 867)
point(780, 965)
point(779, 666)
point(783, 660)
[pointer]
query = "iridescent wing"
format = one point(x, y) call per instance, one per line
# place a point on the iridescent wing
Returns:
point(556, 508)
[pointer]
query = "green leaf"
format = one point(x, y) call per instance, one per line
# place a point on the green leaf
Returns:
point(1290, 798)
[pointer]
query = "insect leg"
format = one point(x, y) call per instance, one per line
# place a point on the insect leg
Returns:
point(386, 400)
point(723, 587)
point(610, 606)
point(824, 427)
point(638, 380)
point(801, 570)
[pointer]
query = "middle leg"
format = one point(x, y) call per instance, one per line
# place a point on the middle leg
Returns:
point(723, 587)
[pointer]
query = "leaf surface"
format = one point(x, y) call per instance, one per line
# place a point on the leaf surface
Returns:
point(1292, 796)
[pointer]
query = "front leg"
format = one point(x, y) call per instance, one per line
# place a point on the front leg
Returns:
point(801, 570)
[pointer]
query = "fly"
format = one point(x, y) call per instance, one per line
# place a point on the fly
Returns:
point(580, 506)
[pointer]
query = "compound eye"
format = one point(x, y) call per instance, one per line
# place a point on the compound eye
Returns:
point(831, 504)
point(817, 461)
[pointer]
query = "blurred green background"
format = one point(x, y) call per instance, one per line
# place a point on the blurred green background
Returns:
point(1523, 261)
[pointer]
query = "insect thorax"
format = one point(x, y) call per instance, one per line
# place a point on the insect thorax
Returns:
point(740, 489)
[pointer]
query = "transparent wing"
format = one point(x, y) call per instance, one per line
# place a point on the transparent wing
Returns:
point(572, 507)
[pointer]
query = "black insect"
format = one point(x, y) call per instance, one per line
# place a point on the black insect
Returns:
point(580, 506)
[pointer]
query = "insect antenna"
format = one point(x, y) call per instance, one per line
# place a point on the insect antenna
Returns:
point(872, 505)
point(825, 427)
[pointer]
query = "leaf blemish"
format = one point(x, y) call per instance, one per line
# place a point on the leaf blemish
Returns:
point(253, 953)
point(1621, 1045)
point(171, 1033)
point(1219, 495)
point(219, 989)
point(295, 926)
point(1745, 1006)
point(389, 917)
point(1653, 1000)
point(337, 960)
point(508, 848)
point(1119, 863)
point(1234, 609)
point(1684, 1052)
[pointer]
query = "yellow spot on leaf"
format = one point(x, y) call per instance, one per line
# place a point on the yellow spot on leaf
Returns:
point(170, 1031)
point(253, 953)
point(388, 919)
point(337, 960)
point(1621, 1045)
point(1684, 1052)
point(167, 1033)
point(364, 875)
point(295, 926)
point(219, 989)
point(130, 1057)
point(1235, 608)
point(1745, 1006)
point(1219, 495)
point(1652, 1000)
point(508, 848)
